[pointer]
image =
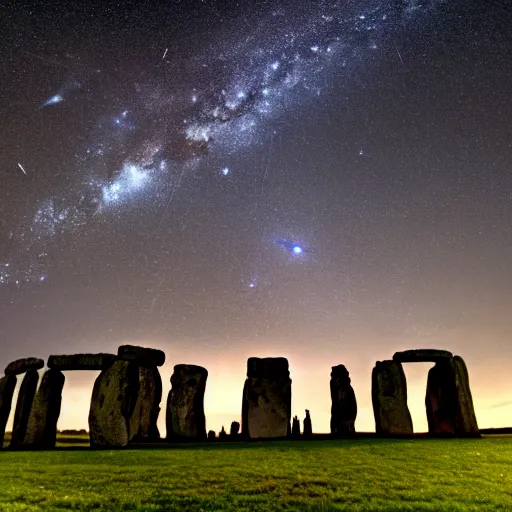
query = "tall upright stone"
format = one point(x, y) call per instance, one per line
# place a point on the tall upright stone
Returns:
point(389, 397)
point(296, 427)
point(448, 400)
point(266, 403)
point(113, 402)
point(23, 407)
point(143, 423)
point(465, 418)
point(343, 402)
point(440, 400)
point(44, 415)
point(235, 428)
point(307, 425)
point(185, 403)
point(7, 386)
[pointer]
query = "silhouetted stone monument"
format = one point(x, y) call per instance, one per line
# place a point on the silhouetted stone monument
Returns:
point(266, 402)
point(149, 357)
point(235, 429)
point(307, 426)
point(465, 418)
point(211, 435)
point(422, 355)
point(42, 423)
point(23, 365)
point(185, 404)
point(77, 362)
point(344, 405)
point(295, 427)
point(223, 435)
point(23, 407)
point(143, 423)
point(389, 397)
point(113, 401)
point(448, 400)
point(7, 387)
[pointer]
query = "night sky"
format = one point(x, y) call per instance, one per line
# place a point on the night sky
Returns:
point(329, 181)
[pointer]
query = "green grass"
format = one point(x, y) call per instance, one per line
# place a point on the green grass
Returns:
point(355, 475)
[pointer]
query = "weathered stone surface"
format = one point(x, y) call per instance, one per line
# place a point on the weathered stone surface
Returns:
point(295, 427)
point(266, 403)
point(448, 400)
point(389, 397)
point(422, 355)
point(307, 426)
point(81, 361)
point(343, 402)
point(143, 423)
point(185, 403)
point(149, 357)
point(23, 365)
point(440, 400)
point(465, 419)
point(23, 407)
point(113, 401)
point(7, 386)
point(42, 423)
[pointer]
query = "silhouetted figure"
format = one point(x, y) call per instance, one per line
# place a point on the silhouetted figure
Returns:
point(296, 428)
point(308, 429)
point(235, 429)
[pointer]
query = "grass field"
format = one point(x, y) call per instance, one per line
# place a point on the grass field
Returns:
point(362, 474)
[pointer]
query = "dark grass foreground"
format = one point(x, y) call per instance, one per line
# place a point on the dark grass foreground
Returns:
point(355, 475)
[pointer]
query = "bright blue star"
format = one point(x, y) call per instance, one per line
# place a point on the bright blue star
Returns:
point(225, 171)
point(297, 249)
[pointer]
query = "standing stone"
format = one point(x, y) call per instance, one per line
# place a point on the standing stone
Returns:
point(143, 423)
point(440, 400)
point(23, 365)
point(7, 386)
point(245, 411)
point(308, 427)
point(465, 418)
point(223, 435)
point(185, 403)
point(295, 427)
point(211, 435)
point(344, 405)
point(42, 423)
point(113, 401)
point(235, 428)
point(389, 397)
point(266, 404)
point(448, 400)
point(23, 407)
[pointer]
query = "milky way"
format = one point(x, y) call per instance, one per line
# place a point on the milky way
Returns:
point(158, 129)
